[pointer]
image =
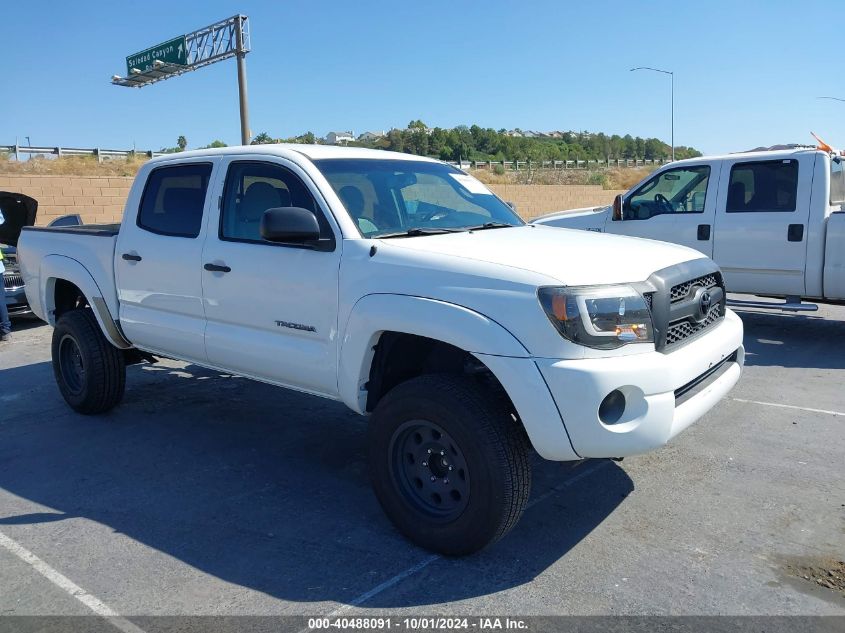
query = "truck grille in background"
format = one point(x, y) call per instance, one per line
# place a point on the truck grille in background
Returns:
point(684, 290)
point(12, 281)
point(681, 330)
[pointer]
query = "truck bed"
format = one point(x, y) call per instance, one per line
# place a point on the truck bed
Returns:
point(101, 230)
point(45, 252)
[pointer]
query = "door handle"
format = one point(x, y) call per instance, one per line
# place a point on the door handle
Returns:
point(217, 268)
point(795, 232)
point(129, 257)
point(704, 232)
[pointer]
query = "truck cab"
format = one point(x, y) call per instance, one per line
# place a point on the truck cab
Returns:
point(772, 220)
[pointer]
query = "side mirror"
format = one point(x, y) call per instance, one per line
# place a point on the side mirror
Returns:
point(512, 205)
point(617, 207)
point(293, 225)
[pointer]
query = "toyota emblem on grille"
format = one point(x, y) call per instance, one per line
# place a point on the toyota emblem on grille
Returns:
point(704, 303)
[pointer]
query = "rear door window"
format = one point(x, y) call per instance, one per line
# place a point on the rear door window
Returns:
point(837, 182)
point(173, 200)
point(764, 186)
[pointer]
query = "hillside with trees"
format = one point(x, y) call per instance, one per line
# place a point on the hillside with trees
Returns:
point(477, 143)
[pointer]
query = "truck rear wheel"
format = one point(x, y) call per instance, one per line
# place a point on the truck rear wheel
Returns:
point(90, 371)
point(449, 467)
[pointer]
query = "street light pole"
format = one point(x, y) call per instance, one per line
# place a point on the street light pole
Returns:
point(833, 98)
point(672, 99)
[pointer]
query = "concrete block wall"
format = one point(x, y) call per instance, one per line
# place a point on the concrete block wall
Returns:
point(100, 199)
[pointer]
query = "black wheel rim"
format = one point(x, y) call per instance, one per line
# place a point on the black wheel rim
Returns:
point(429, 470)
point(71, 365)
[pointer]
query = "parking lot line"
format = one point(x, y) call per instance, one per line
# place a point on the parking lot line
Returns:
point(387, 584)
point(788, 406)
point(584, 473)
point(67, 585)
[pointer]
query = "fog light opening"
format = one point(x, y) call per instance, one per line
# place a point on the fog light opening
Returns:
point(612, 407)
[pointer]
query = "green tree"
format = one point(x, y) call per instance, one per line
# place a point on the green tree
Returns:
point(263, 139)
point(395, 141)
point(181, 143)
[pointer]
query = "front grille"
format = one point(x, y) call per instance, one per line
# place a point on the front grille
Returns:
point(12, 281)
point(685, 300)
point(686, 289)
point(684, 329)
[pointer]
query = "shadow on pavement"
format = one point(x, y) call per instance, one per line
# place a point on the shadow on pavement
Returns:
point(261, 487)
point(23, 323)
point(774, 339)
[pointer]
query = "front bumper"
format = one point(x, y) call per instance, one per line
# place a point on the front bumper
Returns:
point(664, 393)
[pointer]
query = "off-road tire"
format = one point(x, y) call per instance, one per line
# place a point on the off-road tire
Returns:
point(90, 371)
point(491, 444)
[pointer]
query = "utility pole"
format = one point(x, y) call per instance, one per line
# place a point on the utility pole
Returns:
point(672, 99)
point(241, 57)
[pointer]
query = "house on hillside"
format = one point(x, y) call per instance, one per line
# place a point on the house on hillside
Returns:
point(339, 138)
point(371, 136)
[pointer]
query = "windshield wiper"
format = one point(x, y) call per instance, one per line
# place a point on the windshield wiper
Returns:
point(418, 231)
point(490, 225)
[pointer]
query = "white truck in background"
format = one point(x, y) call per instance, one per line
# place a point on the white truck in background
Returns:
point(404, 288)
point(773, 221)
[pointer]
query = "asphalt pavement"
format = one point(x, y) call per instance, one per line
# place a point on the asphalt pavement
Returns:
point(208, 494)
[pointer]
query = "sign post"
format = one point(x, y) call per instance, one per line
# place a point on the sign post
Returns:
point(214, 43)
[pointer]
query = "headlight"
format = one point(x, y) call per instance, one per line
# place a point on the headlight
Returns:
point(603, 317)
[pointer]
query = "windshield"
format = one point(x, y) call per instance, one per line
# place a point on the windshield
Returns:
point(402, 197)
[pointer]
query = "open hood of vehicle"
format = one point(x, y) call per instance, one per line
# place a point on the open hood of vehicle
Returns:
point(17, 212)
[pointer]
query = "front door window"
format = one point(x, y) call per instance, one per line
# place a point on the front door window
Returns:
point(681, 190)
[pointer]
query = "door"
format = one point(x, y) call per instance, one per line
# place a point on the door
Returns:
point(271, 308)
point(158, 263)
point(761, 225)
point(677, 205)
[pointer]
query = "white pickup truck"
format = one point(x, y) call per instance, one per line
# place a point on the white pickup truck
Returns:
point(772, 220)
point(404, 288)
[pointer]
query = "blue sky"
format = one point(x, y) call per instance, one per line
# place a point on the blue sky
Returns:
point(746, 73)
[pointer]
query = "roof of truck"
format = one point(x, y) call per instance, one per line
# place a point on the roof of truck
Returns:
point(761, 154)
point(314, 152)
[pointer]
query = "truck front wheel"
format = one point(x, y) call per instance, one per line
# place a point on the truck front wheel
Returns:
point(449, 466)
point(90, 371)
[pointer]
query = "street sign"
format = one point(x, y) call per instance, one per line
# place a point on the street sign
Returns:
point(208, 45)
point(173, 51)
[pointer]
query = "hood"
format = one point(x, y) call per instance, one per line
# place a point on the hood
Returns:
point(18, 211)
point(574, 258)
point(585, 219)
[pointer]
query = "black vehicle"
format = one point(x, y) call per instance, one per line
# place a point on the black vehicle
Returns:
point(19, 211)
